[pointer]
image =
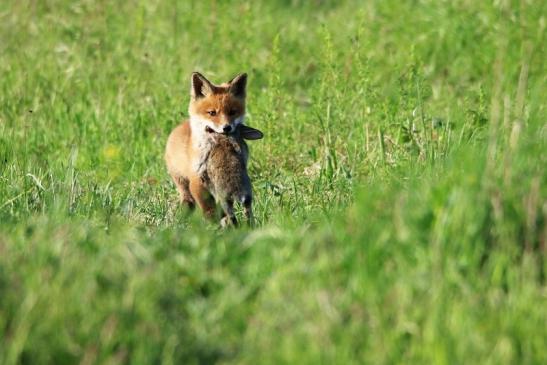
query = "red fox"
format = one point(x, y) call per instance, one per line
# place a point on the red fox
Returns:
point(214, 110)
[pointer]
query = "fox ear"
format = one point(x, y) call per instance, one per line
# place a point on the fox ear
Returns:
point(200, 86)
point(250, 133)
point(238, 85)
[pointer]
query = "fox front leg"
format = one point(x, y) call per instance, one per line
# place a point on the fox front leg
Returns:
point(203, 198)
point(248, 210)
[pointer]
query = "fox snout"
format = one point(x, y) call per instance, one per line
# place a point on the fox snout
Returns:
point(225, 124)
point(224, 129)
point(227, 128)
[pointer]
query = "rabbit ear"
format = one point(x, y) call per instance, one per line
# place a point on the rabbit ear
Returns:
point(250, 133)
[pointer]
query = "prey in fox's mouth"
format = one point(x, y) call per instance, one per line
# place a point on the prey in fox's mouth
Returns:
point(244, 131)
point(229, 130)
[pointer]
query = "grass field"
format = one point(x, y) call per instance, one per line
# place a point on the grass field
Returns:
point(400, 189)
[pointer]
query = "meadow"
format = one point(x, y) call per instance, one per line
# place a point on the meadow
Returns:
point(400, 189)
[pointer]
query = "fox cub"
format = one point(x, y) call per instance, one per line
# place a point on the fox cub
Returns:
point(207, 155)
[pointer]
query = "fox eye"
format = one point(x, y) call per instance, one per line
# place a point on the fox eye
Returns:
point(212, 112)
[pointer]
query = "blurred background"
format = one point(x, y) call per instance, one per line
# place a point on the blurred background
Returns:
point(400, 186)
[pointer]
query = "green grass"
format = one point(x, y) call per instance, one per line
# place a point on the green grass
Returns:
point(400, 188)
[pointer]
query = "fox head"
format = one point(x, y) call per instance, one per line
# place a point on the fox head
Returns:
point(220, 108)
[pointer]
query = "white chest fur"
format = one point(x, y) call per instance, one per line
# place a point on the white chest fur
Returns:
point(202, 143)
